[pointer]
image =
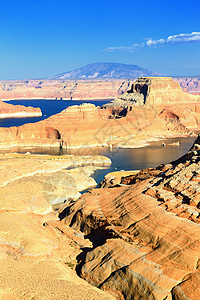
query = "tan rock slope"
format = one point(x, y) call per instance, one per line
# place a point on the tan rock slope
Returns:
point(154, 108)
point(145, 234)
point(18, 111)
point(37, 261)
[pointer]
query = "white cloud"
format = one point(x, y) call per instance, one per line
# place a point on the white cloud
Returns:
point(181, 38)
point(127, 49)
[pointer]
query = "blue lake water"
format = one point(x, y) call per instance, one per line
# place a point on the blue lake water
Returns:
point(122, 159)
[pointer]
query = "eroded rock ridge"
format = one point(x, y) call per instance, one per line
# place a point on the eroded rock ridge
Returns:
point(145, 234)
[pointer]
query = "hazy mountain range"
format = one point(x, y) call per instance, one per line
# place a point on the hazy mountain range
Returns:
point(106, 71)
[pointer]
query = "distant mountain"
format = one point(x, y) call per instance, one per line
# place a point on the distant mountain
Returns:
point(106, 71)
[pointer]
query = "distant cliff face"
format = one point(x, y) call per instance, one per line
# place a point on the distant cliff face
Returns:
point(190, 84)
point(78, 89)
point(63, 89)
point(106, 71)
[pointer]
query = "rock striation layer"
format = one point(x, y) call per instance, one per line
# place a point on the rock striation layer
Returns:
point(89, 126)
point(145, 234)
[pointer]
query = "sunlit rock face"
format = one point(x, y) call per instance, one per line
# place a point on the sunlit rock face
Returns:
point(89, 126)
point(145, 234)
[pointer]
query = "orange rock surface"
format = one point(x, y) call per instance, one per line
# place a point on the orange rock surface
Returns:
point(87, 125)
point(146, 234)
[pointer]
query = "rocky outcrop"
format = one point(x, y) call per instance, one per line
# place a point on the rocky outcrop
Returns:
point(153, 91)
point(115, 178)
point(18, 111)
point(145, 235)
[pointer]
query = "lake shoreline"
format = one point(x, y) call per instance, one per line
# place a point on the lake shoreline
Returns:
point(54, 99)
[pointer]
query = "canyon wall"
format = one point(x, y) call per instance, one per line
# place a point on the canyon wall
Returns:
point(62, 89)
point(77, 89)
point(136, 240)
point(154, 91)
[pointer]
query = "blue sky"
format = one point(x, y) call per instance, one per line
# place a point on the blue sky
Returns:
point(44, 38)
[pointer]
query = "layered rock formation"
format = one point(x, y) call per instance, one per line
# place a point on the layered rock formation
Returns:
point(18, 111)
point(77, 89)
point(154, 108)
point(62, 89)
point(153, 91)
point(89, 126)
point(145, 234)
point(37, 261)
